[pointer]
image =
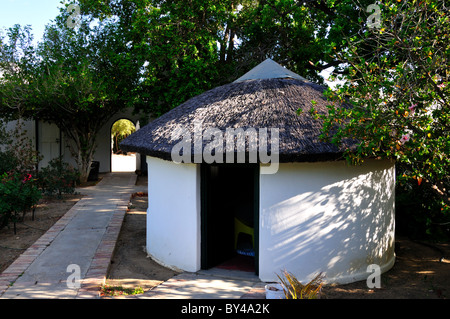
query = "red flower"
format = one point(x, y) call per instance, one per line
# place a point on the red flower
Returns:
point(27, 178)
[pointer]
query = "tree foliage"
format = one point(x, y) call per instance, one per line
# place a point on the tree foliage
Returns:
point(194, 45)
point(17, 61)
point(153, 55)
point(397, 89)
point(120, 130)
point(77, 78)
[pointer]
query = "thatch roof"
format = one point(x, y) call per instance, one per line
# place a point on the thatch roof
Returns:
point(251, 102)
point(269, 69)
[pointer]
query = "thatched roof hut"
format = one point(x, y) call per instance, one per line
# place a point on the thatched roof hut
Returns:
point(266, 97)
point(312, 213)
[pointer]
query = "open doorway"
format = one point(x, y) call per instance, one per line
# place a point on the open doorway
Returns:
point(230, 216)
point(122, 161)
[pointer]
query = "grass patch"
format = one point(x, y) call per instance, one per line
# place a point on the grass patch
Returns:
point(107, 290)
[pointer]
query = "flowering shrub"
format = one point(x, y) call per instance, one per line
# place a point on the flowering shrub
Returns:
point(397, 94)
point(58, 178)
point(19, 192)
point(18, 195)
point(19, 153)
point(420, 212)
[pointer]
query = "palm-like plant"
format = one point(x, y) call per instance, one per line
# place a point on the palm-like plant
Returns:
point(294, 289)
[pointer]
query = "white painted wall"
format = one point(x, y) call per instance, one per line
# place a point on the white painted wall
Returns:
point(104, 149)
point(173, 215)
point(327, 217)
point(49, 140)
point(27, 126)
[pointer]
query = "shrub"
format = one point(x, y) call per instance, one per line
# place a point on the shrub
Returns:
point(7, 162)
point(18, 195)
point(58, 178)
point(420, 211)
point(19, 192)
point(6, 188)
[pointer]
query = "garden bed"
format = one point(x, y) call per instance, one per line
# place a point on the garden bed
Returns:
point(48, 211)
point(421, 271)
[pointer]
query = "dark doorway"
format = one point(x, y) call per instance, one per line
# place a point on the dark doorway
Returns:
point(229, 217)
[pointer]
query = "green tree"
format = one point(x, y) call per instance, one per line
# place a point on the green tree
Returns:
point(193, 45)
point(180, 43)
point(77, 78)
point(398, 96)
point(121, 129)
point(17, 61)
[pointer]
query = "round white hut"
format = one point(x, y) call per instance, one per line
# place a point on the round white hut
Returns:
point(238, 180)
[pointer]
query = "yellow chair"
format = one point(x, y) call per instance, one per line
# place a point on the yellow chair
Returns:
point(240, 227)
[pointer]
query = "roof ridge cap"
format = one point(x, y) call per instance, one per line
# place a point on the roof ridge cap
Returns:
point(269, 69)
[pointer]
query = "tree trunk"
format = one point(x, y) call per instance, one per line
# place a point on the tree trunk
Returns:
point(223, 44)
point(82, 147)
point(84, 167)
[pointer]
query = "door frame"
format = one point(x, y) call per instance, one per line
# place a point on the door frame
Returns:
point(204, 185)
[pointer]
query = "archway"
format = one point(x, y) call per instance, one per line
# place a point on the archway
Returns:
point(122, 161)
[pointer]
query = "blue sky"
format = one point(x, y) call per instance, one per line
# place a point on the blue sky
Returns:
point(37, 13)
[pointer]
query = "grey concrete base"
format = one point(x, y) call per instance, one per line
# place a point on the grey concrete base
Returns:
point(204, 285)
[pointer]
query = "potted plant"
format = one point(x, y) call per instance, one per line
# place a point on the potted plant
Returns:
point(274, 291)
point(294, 289)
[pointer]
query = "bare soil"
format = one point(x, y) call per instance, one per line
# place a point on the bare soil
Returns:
point(421, 271)
point(130, 266)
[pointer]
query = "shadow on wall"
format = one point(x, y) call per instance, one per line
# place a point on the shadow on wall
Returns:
point(337, 227)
